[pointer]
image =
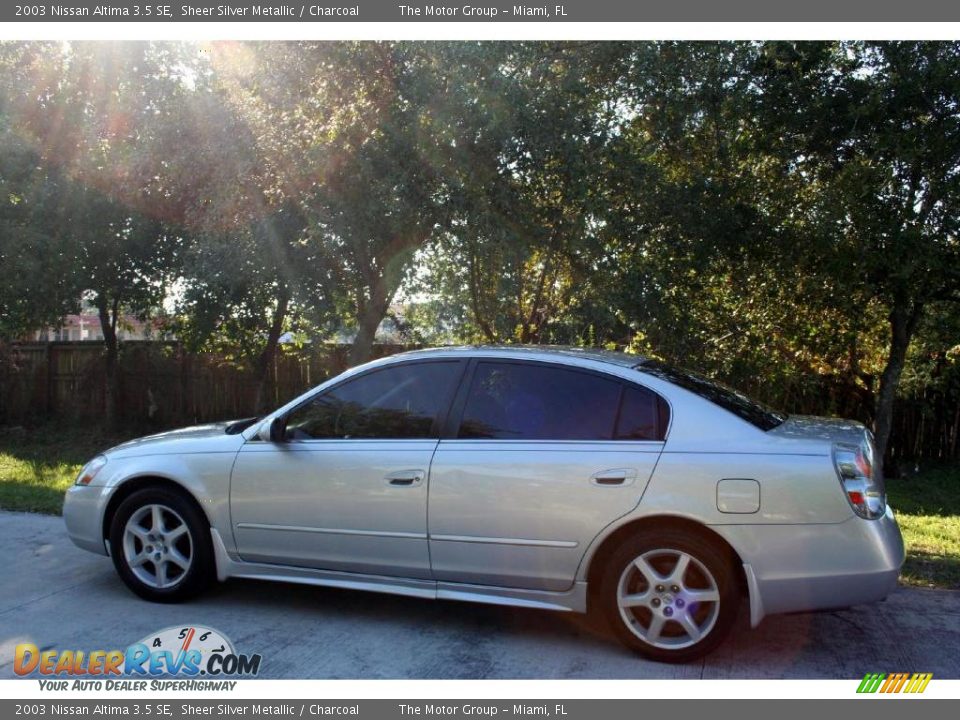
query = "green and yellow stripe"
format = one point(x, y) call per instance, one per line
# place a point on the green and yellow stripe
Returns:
point(894, 682)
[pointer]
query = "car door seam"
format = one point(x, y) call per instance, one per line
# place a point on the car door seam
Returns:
point(233, 465)
point(436, 447)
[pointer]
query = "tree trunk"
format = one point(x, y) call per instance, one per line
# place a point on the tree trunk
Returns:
point(370, 317)
point(903, 323)
point(530, 333)
point(383, 283)
point(478, 315)
point(269, 353)
point(108, 326)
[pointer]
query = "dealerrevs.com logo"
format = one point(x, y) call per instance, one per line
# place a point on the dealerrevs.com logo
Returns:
point(180, 653)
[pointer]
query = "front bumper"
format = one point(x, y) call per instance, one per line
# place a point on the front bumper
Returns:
point(793, 568)
point(83, 508)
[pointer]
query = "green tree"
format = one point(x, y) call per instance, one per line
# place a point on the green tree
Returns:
point(232, 187)
point(398, 120)
point(84, 110)
point(38, 288)
point(875, 129)
point(309, 174)
point(240, 293)
point(516, 255)
point(34, 255)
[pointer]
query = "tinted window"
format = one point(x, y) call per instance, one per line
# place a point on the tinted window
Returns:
point(739, 404)
point(643, 415)
point(396, 402)
point(539, 402)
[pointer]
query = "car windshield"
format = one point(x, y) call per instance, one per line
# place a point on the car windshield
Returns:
point(754, 412)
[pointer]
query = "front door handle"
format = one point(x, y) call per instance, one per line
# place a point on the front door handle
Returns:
point(614, 476)
point(405, 478)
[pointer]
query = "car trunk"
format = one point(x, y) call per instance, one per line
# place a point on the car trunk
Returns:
point(853, 453)
point(811, 427)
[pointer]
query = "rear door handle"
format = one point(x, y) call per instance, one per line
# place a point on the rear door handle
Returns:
point(405, 478)
point(614, 476)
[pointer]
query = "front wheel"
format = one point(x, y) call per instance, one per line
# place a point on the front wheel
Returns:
point(160, 545)
point(670, 595)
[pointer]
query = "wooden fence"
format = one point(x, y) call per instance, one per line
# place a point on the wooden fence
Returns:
point(163, 386)
point(926, 421)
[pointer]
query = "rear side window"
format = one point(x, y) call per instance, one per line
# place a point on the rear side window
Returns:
point(523, 401)
point(644, 415)
point(526, 401)
point(394, 403)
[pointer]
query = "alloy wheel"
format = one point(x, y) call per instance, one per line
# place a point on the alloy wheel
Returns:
point(668, 599)
point(157, 546)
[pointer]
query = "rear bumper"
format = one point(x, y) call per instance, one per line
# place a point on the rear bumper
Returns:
point(792, 568)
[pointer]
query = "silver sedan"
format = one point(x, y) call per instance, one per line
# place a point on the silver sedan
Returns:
point(547, 478)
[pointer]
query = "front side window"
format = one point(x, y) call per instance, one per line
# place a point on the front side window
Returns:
point(396, 402)
point(524, 401)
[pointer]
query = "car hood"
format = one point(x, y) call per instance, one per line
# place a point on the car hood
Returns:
point(811, 427)
point(212, 437)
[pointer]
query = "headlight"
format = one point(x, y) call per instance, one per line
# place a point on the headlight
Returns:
point(90, 470)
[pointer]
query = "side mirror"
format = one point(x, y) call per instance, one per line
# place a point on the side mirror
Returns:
point(272, 431)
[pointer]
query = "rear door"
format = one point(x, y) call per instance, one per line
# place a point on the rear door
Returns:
point(542, 457)
point(347, 489)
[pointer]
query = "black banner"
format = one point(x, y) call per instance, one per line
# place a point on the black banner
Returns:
point(482, 11)
point(178, 709)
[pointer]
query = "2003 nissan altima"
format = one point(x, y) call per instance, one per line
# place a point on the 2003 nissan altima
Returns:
point(521, 476)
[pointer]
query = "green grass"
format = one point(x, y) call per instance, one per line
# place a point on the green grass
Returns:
point(38, 465)
point(927, 506)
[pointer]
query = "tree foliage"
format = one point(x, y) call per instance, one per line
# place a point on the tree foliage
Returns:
point(782, 215)
point(876, 129)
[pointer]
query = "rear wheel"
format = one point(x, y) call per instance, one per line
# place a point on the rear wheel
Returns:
point(160, 545)
point(670, 595)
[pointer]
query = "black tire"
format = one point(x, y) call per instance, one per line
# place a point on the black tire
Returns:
point(714, 618)
point(177, 510)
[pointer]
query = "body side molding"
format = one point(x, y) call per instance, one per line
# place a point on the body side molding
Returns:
point(573, 600)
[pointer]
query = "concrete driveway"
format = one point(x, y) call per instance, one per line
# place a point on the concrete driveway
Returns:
point(56, 595)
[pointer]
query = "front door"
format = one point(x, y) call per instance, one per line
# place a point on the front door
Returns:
point(347, 489)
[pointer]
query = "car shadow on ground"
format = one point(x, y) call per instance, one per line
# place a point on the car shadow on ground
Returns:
point(465, 640)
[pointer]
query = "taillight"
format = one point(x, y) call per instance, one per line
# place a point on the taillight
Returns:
point(864, 491)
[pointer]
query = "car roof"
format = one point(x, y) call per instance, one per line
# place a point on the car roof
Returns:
point(540, 352)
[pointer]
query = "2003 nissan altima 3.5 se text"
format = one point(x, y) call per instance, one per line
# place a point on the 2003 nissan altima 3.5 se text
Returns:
point(540, 477)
